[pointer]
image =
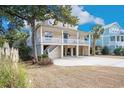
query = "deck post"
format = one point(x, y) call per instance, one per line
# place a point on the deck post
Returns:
point(62, 37)
point(77, 46)
point(42, 50)
point(115, 40)
point(89, 46)
point(41, 35)
point(102, 40)
point(61, 51)
point(77, 37)
point(41, 41)
point(72, 51)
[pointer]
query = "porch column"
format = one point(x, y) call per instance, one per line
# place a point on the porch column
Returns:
point(115, 40)
point(77, 50)
point(61, 51)
point(77, 46)
point(62, 37)
point(89, 46)
point(72, 51)
point(65, 50)
point(102, 40)
point(41, 34)
point(41, 40)
point(77, 37)
point(42, 50)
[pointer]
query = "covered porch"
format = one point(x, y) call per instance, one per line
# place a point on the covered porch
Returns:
point(60, 51)
point(74, 50)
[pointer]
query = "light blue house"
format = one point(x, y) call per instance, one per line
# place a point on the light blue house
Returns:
point(112, 37)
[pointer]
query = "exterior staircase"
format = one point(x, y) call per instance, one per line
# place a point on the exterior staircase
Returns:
point(53, 51)
point(49, 49)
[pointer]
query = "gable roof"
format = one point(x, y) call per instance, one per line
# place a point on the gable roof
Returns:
point(117, 28)
point(111, 25)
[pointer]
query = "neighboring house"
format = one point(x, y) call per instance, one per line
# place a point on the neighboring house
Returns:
point(59, 41)
point(113, 37)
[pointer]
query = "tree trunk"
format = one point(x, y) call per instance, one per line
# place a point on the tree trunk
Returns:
point(34, 41)
point(94, 47)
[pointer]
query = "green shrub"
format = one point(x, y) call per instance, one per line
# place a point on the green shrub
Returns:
point(24, 52)
point(105, 50)
point(117, 51)
point(44, 60)
point(12, 75)
point(44, 56)
point(98, 50)
point(2, 40)
point(121, 52)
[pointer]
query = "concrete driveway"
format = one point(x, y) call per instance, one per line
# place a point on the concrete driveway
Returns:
point(90, 61)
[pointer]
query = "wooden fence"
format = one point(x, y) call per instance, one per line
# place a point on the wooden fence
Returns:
point(7, 52)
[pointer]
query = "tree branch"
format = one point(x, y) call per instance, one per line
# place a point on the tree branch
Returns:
point(13, 14)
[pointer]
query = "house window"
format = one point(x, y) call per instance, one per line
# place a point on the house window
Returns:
point(86, 37)
point(122, 38)
point(48, 34)
point(117, 46)
point(112, 38)
point(118, 38)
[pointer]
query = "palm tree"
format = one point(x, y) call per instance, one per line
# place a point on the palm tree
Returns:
point(96, 32)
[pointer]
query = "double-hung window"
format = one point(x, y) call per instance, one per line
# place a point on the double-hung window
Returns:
point(112, 38)
point(118, 38)
point(122, 38)
point(48, 36)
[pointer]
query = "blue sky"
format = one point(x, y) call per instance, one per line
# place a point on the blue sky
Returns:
point(109, 14)
point(102, 14)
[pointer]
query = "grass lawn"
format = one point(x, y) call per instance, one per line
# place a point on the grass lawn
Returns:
point(84, 76)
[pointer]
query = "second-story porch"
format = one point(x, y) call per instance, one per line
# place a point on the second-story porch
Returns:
point(47, 40)
point(61, 36)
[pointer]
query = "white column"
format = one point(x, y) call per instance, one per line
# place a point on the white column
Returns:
point(42, 50)
point(41, 40)
point(84, 50)
point(77, 37)
point(62, 37)
point(65, 51)
point(72, 51)
point(102, 40)
point(89, 46)
point(77, 46)
point(41, 35)
point(77, 50)
point(61, 51)
point(115, 40)
point(62, 44)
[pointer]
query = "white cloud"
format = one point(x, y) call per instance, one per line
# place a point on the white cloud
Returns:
point(99, 21)
point(85, 16)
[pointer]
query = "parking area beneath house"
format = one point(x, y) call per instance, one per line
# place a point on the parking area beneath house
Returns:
point(90, 61)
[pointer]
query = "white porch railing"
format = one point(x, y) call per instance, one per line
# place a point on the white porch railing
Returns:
point(69, 41)
point(51, 40)
point(118, 43)
point(65, 41)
